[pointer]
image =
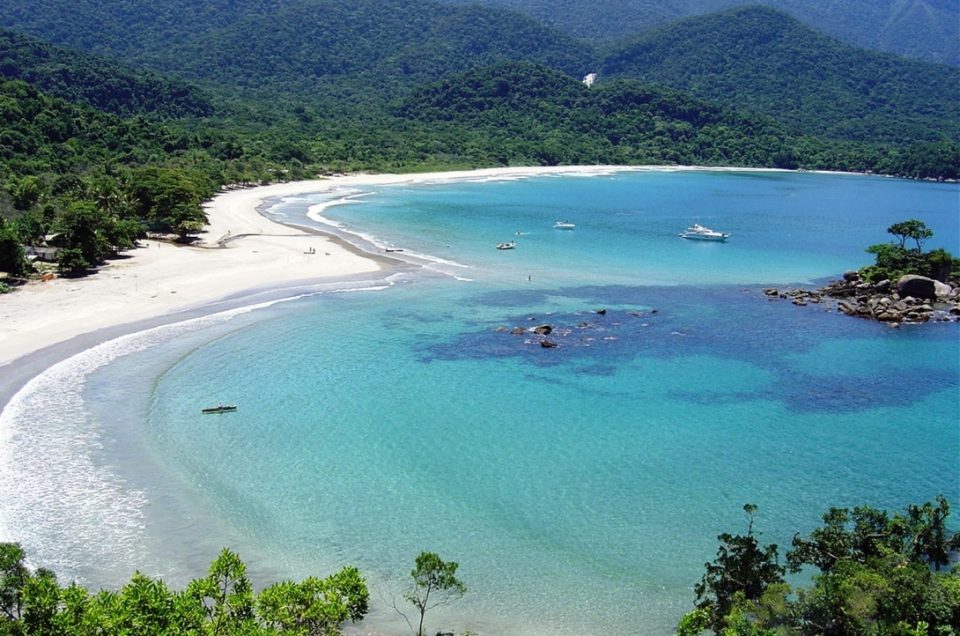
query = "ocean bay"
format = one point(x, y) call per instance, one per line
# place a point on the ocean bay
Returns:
point(580, 488)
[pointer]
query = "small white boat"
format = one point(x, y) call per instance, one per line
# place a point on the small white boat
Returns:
point(563, 225)
point(506, 246)
point(698, 232)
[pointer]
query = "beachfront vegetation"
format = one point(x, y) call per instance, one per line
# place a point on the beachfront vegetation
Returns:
point(91, 183)
point(12, 258)
point(894, 260)
point(435, 583)
point(34, 603)
point(873, 574)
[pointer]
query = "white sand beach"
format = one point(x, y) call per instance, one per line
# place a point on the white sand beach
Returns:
point(162, 278)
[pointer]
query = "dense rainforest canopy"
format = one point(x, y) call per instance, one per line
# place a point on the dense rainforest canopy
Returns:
point(764, 61)
point(923, 29)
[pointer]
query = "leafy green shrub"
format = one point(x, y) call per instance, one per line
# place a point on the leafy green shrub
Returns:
point(71, 261)
point(896, 260)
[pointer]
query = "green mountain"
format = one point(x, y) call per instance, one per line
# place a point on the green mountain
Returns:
point(519, 113)
point(533, 114)
point(325, 58)
point(317, 48)
point(766, 61)
point(371, 85)
point(93, 81)
point(924, 29)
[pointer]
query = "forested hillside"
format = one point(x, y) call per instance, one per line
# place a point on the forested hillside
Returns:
point(764, 60)
point(924, 29)
point(322, 59)
point(530, 113)
point(360, 51)
point(100, 181)
point(87, 79)
point(524, 113)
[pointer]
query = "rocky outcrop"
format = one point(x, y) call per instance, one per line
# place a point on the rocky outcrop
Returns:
point(912, 299)
point(917, 286)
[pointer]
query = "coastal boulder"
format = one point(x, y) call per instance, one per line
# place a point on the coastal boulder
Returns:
point(942, 289)
point(917, 286)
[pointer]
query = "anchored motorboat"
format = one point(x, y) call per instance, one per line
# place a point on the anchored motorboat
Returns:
point(698, 232)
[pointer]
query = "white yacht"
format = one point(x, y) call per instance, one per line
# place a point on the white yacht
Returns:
point(698, 232)
point(563, 225)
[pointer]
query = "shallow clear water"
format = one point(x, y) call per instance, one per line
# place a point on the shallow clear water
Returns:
point(581, 488)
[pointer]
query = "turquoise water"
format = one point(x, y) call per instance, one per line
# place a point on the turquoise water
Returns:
point(581, 488)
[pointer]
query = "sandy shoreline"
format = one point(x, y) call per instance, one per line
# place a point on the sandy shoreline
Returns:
point(160, 279)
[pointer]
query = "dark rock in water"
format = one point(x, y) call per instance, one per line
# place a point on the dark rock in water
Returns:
point(602, 312)
point(501, 329)
point(917, 286)
point(518, 331)
point(883, 286)
point(851, 276)
point(547, 344)
point(583, 325)
point(543, 330)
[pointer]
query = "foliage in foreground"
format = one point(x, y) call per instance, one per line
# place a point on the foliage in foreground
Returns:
point(435, 583)
point(878, 575)
point(223, 602)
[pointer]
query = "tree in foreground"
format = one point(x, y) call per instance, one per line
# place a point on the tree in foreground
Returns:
point(220, 604)
point(742, 570)
point(879, 575)
point(434, 583)
point(314, 606)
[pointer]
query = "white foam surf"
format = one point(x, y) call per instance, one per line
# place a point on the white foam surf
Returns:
point(65, 507)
